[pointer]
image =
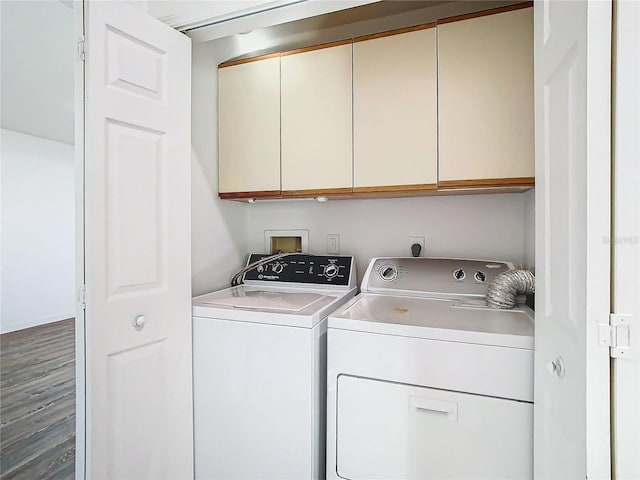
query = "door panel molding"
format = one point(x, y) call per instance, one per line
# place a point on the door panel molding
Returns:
point(137, 243)
point(572, 101)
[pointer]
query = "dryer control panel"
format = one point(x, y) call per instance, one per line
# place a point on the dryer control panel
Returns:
point(432, 277)
point(304, 268)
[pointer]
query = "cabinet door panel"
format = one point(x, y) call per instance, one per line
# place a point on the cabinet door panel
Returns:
point(395, 110)
point(485, 87)
point(317, 119)
point(249, 126)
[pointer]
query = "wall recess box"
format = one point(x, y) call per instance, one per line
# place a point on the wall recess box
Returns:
point(286, 241)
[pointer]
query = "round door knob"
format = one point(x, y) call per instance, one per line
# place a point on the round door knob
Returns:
point(138, 322)
point(557, 366)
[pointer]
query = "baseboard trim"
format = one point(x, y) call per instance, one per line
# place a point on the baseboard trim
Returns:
point(13, 327)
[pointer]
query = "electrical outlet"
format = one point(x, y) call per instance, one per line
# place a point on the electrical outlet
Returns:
point(333, 244)
point(415, 239)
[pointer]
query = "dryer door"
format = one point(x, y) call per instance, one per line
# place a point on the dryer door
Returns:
point(389, 430)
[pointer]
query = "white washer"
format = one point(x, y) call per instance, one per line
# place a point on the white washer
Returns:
point(260, 369)
point(425, 381)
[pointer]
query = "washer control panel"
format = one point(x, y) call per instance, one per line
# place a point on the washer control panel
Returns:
point(303, 268)
point(436, 277)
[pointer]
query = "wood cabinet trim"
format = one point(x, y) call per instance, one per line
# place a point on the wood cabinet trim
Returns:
point(248, 195)
point(395, 32)
point(488, 183)
point(317, 47)
point(232, 63)
point(380, 192)
point(484, 13)
point(326, 192)
point(396, 188)
point(484, 189)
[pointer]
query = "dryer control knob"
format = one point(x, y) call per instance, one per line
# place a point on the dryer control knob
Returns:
point(388, 272)
point(459, 274)
point(480, 276)
point(277, 268)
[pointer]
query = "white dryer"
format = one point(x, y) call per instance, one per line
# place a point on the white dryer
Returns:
point(260, 369)
point(425, 381)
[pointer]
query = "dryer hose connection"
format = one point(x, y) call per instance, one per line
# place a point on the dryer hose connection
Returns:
point(506, 286)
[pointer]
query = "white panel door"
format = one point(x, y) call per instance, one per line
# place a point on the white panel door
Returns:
point(138, 338)
point(572, 95)
point(626, 243)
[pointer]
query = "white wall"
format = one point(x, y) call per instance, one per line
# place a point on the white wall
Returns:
point(480, 226)
point(218, 228)
point(38, 231)
point(487, 227)
point(529, 230)
point(37, 54)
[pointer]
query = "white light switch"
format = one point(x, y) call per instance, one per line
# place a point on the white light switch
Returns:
point(333, 244)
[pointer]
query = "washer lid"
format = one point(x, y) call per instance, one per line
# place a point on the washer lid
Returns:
point(266, 300)
point(438, 319)
point(274, 305)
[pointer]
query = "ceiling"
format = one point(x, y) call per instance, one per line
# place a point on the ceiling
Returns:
point(343, 23)
point(372, 11)
point(186, 14)
point(37, 68)
point(365, 19)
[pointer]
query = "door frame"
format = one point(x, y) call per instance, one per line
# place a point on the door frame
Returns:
point(624, 241)
point(80, 320)
point(598, 184)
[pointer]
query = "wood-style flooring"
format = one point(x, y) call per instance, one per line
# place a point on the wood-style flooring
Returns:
point(37, 402)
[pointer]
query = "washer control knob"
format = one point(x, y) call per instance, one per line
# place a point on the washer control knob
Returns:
point(459, 274)
point(388, 272)
point(277, 268)
point(331, 270)
point(480, 276)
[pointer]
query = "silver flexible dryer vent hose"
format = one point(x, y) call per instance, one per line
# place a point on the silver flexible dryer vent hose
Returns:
point(504, 288)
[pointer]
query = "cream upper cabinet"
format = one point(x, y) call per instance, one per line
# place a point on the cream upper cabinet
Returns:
point(317, 119)
point(249, 126)
point(395, 111)
point(485, 93)
point(407, 111)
